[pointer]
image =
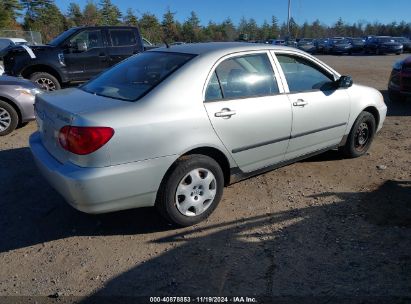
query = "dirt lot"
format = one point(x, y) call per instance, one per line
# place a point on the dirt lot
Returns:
point(327, 228)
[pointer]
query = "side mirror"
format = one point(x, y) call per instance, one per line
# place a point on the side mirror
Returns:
point(344, 82)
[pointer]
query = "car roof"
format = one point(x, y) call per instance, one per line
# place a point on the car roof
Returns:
point(219, 48)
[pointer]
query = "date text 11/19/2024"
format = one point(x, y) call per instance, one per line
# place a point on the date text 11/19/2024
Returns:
point(203, 300)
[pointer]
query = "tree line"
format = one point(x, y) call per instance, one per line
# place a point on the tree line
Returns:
point(45, 17)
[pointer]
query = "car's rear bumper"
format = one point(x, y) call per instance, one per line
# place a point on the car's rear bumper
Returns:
point(106, 189)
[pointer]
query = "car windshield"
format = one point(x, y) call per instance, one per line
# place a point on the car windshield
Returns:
point(136, 76)
point(63, 36)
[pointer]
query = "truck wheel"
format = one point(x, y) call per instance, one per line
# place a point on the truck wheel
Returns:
point(8, 118)
point(46, 81)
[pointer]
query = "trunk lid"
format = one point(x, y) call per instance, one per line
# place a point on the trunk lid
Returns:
point(70, 107)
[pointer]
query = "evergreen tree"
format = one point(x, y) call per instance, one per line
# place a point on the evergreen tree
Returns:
point(191, 29)
point(130, 18)
point(74, 15)
point(275, 29)
point(9, 11)
point(169, 26)
point(150, 27)
point(91, 15)
point(228, 29)
point(44, 16)
point(109, 13)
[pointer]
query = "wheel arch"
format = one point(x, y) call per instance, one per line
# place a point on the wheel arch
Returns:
point(41, 68)
point(218, 156)
point(373, 110)
point(14, 105)
point(211, 152)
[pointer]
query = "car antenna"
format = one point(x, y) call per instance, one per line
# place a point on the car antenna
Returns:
point(165, 42)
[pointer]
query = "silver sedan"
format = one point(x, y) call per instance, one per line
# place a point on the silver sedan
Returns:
point(16, 103)
point(172, 126)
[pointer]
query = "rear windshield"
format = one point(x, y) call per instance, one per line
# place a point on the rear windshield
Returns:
point(136, 76)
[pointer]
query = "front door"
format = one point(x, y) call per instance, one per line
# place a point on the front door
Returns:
point(247, 111)
point(320, 109)
point(87, 55)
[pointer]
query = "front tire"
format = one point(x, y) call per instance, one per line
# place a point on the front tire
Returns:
point(46, 81)
point(191, 190)
point(361, 135)
point(9, 118)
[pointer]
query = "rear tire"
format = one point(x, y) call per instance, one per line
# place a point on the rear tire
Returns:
point(9, 118)
point(361, 135)
point(45, 81)
point(191, 190)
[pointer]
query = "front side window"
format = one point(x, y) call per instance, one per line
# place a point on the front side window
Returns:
point(86, 40)
point(122, 37)
point(303, 75)
point(136, 76)
point(241, 77)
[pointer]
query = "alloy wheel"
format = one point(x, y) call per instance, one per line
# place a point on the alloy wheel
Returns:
point(5, 119)
point(46, 84)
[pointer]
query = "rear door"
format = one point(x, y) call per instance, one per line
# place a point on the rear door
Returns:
point(124, 42)
point(87, 55)
point(247, 110)
point(320, 109)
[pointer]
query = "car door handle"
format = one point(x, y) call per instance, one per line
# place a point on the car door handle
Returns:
point(225, 113)
point(300, 103)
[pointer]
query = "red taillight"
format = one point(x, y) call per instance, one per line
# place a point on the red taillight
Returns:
point(84, 140)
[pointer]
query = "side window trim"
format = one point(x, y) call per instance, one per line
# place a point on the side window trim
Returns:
point(274, 69)
point(323, 69)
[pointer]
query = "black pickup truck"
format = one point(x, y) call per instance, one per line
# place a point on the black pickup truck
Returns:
point(76, 55)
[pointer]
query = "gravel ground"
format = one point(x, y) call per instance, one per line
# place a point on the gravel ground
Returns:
point(324, 228)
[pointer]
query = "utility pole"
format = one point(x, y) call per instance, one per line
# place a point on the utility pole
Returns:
point(288, 19)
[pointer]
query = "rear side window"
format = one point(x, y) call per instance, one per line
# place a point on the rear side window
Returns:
point(242, 77)
point(136, 76)
point(303, 75)
point(122, 37)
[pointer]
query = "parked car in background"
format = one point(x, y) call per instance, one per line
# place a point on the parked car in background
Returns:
point(357, 45)
point(248, 108)
point(399, 85)
point(382, 45)
point(7, 42)
point(406, 43)
point(342, 46)
point(278, 42)
point(307, 45)
point(291, 43)
point(1, 70)
point(323, 45)
point(76, 55)
point(16, 103)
